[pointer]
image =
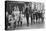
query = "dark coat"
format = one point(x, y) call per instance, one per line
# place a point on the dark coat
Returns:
point(26, 12)
point(30, 11)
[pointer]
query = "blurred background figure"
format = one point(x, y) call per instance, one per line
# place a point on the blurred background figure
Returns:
point(31, 12)
point(27, 14)
point(6, 20)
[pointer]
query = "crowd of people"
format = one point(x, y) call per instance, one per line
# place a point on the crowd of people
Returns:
point(15, 18)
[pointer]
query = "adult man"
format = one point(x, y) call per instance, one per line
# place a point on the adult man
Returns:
point(30, 12)
point(27, 15)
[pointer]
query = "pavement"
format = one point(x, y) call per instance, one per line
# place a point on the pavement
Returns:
point(33, 26)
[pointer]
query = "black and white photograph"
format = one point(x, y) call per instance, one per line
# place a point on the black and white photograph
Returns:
point(21, 15)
